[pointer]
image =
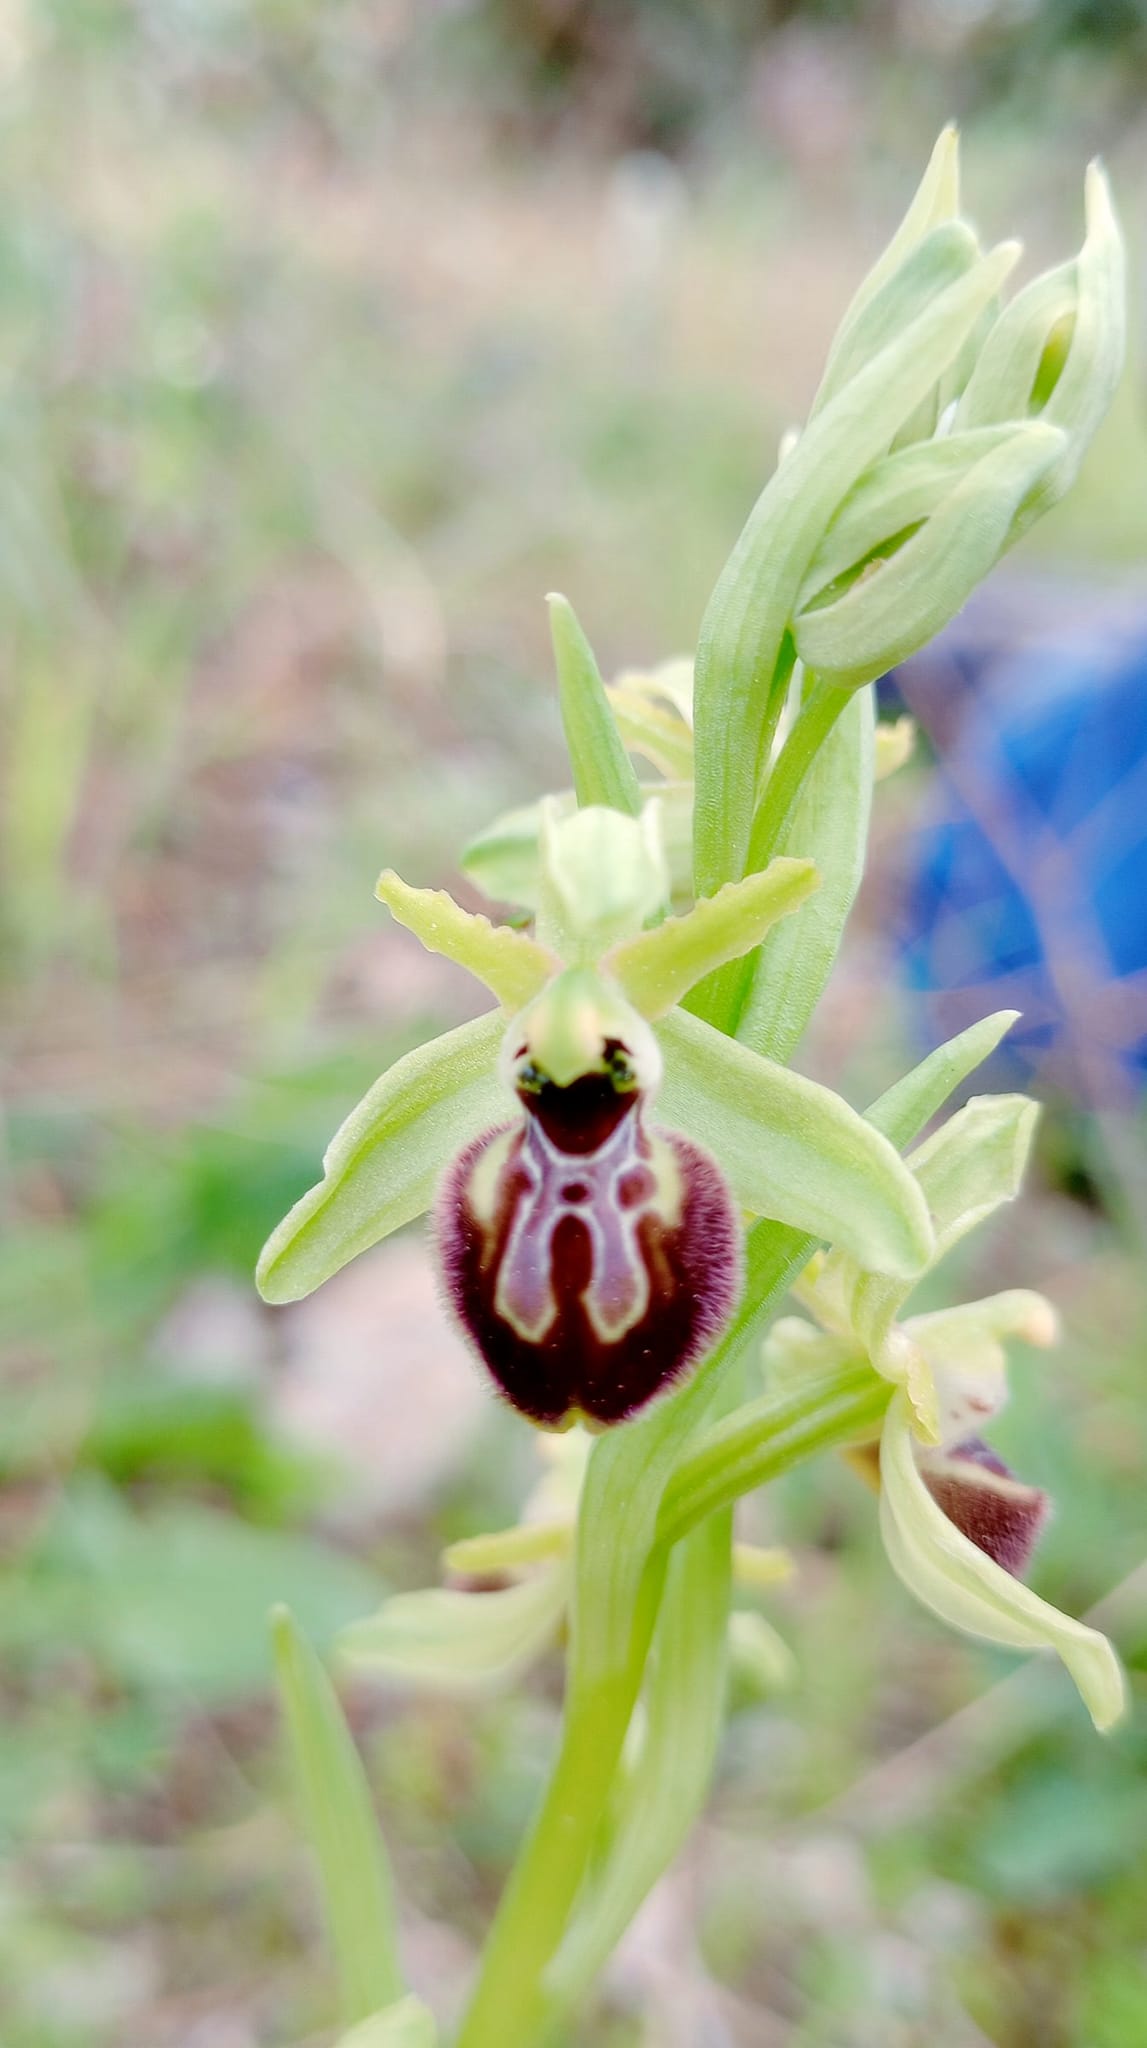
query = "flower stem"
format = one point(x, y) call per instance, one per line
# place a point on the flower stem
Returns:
point(764, 1438)
point(814, 721)
point(509, 2002)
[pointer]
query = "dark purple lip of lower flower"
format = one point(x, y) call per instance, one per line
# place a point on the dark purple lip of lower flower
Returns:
point(997, 1512)
point(588, 1276)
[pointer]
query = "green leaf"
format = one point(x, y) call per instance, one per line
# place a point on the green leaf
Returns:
point(602, 770)
point(748, 615)
point(357, 1890)
point(512, 966)
point(409, 2024)
point(792, 1149)
point(382, 1165)
point(898, 605)
point(684, 1701)
point(829, 826)
point(658, 967)
point(961, 1584)
point(454, 1641)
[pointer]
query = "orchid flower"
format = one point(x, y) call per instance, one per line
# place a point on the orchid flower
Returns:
point(958, 1526)
point(589, 1253)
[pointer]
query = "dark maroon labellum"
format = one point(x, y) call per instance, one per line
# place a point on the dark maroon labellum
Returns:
point(988, 1504)
point(591, 1258)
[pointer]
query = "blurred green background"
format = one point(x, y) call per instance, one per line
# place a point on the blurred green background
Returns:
point(333, 335)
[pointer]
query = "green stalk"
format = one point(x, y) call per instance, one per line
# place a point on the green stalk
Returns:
point(766, 1437)
point(814, 721)
point(509, 2002)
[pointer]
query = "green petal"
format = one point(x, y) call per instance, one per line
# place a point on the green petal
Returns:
point(658, 967)
point(358, 1894)
point(747, 617)
point(602, 770)
point(453, 1641)
point(512, 966)
point(383, 1164)
point(791, 1149)
point(409, 2024)
point(828, 826)
point(507, 1550)
point(966, 1589)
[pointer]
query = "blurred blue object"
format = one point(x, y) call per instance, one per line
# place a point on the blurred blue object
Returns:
point(1026, 887)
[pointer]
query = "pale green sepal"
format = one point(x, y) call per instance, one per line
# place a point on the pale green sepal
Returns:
point(602, 875)
point(1088, 380)
point(512, 966)
point(898, 605)
point(791, 1149)
point(747, 617)
point(602, 770)
point(684, 1701)
point(894, 495)
point(911, 1102)
point(966, 1169)
point(381, 1167)
point(829, 826)
point(1002, 381)
point(961, 1584)
point(357, 1889)
point(508, 1550)
point(658, 967)
point(936, 199)
point(452, 1641)
point(409, 2024)
point(942, 256)
point(504, 860)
